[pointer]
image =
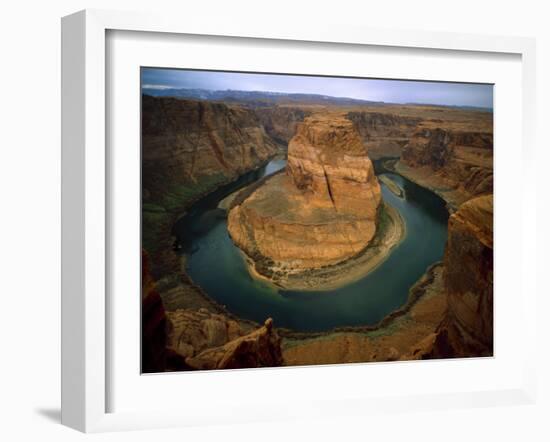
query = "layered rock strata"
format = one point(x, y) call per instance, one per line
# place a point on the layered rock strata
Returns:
point(188, 149)
point(449, 313)
point(281, 122)
point(457, 163)
point(155, 354)
point(186, 140)
point(321, 211)
point(384, 134)
point(467, 327)
point(213, 342)
point(188, 339)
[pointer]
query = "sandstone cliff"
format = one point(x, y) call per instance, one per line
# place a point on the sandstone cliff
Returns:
point(384, 134)
point(155, 355)
point(467, 327)
point(230, 348)
point(328, 160)
point(449, 313)
point(188, 339)
point(428, 148)
point(185, 141)
point(392, 339)
point(188, 149)
point(320, 212)
point(281, 122)
point(457, 161)
point(207, 341)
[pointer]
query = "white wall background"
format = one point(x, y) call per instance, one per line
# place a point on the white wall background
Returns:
point(30, 214)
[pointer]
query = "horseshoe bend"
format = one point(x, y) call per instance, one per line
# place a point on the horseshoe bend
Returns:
point(285, 229)
point(321, 222)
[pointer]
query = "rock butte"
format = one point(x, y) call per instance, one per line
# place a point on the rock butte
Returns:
point(321, 211)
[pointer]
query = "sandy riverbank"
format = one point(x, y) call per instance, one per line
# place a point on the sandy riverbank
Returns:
point(390, 233)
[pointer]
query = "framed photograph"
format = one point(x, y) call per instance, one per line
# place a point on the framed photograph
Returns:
point(279, 222)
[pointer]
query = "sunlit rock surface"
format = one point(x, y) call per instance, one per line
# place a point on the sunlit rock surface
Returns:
point(321, 210)
point(467, 327)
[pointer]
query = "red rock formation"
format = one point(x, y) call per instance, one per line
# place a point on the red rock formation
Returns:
point(322, 211)
point(155, 356)
point(261, 348)
point(189, 148)
point(428, 147)
point(199, 340)
point(185, 140)
point(464, 159)
point(281, 122)
point(384, 134)
point(213, 341)
point(328, 159)
point(194, 331)
point(467, 329)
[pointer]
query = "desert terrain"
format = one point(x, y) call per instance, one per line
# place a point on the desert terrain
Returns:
point(318, 223)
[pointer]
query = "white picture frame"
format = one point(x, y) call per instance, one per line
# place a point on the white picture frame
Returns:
point(85, 202)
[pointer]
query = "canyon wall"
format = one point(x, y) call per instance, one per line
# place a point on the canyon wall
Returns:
point(321, 211)
point(185, 141)
point(281, 122)
point(212, 341)
point(189, 339)
point(188, 149)
point(449, 150)
point(464, 159)
point(384, 134)
point(467, 327)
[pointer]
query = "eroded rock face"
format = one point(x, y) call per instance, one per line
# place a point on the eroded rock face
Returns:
point(187, 339)
point(384, 134)
point(281, 122)
point(428, 147)
point(190, 148)
point(467, 329)
point(213, 341)
point(261, 348)
point(193, 331)
point(155, 355)
point(185, 140)
point(327, 158)
point(463, 158)
point(321, 211)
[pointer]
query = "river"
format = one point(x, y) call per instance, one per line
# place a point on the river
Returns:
point(215, 263)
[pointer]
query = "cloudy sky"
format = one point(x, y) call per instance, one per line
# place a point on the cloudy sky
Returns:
point(391, 91)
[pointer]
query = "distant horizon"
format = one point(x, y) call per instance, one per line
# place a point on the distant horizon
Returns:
point(377, 90)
